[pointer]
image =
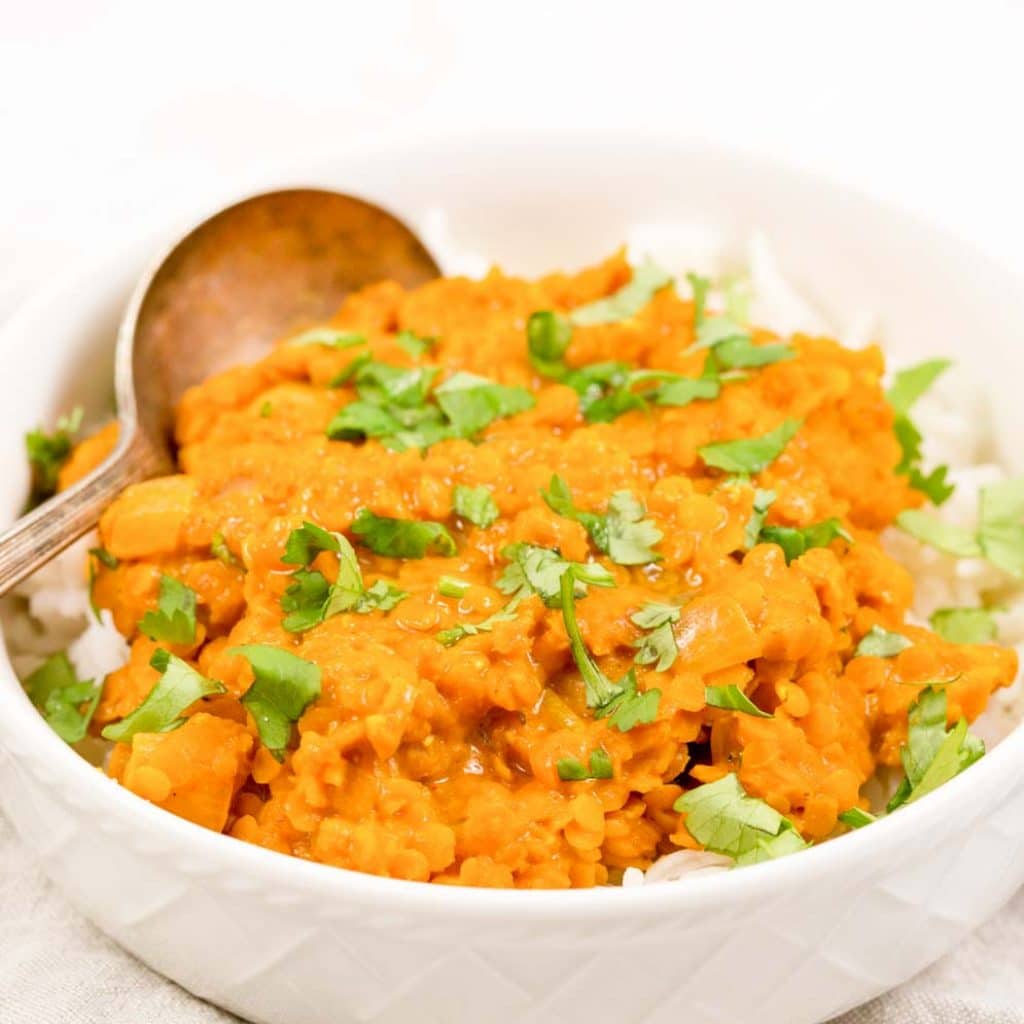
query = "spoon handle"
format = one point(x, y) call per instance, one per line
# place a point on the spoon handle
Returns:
point(47, 530)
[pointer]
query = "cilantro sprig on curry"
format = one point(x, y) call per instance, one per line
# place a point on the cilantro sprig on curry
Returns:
point(523, 583)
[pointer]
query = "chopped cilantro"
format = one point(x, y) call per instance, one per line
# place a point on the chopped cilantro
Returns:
point(749, 455)
point(880, 643)
point(795, 540)
point(283, 687)
point(964, 625)
point(415, 345)
point(104, 557)
point(450, 637)
point(732, 698)
point(621, 533)
point(856, 818)
point(66, 702)
point(658, 647)
point(763, 501)
point(724, 819)
point(177, 689)
point(47, 453)
point(174, 621)
point(311, 599)
point(599, 767)
point(931, 755)
point(629, 300)
point(329, 337)
point(475, 504)
point(700, 286)
point(621, 703)
point(907, 387)
point(548, 335)
point(402, 538)
point(220, 550)
point(953, 540)
point(472, 403)
point(537, 570)
point(741, 353)
point(452, 586)
point(266, 409)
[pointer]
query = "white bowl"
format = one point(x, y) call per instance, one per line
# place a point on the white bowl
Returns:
point(283, 941)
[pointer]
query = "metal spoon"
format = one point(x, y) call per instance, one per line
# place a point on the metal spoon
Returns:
point(236, 283)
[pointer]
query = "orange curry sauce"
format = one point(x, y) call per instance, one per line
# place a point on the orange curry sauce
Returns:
point(436, 763)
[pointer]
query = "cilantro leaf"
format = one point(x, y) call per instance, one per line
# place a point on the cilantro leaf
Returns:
point(724, 819)
point(177, 689)
point(621, 703)
point(658, 647)
point(311, 599)
point(104, 557)
point(220, 550)
point(413, 344)
point(720, 329)
point(763, 501)
point(953, 540)
point(450, 637)
point(931, 755)
point(880, 643)
point(174, 621)
point(283, 687)
point(680, 392)
point(472, 403)
point(700, 286)
point(548, 335)
point(795, 541)
point(599, 767)
point(732, 698)
point(47, 453)
point(537, 570)
point(402, 538)
point(66, 702)
point(629, 300)
point(1001, 525)
point(621, 533)
point(741, 353)
point(907, 387)
point(475, 504)
point(329, 337)
point(964, 625)
point(749, 455)
point(452, 586)
point(856, 818)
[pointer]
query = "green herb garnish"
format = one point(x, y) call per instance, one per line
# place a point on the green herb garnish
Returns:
point(599, 766)
point(763, 501)
point(658, 647)
point(621, 533)
point(284, 686)
point(880, 643)
point(856, 818)
point(402, 538)
point(732, 698)
point(625, 303)
point(548, 335)
point(795, 540)
point(724, 819)
point(329, 337)
point(66, 702)
point(450, 637)
point(311, 599)
point(475, 504)
point(452, 586)
point(749, 455)
point(931, 755)
point(177, 689)
point(907, 387)
point(415, 345)
point(174, 621)
point(472, 403)
point(965, 625)
point(220, 550)
point(47, 453)
point(537, 570)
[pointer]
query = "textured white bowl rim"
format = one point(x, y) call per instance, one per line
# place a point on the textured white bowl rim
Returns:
point(883, 841)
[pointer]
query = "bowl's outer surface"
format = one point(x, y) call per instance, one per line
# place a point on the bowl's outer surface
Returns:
point(286, 942)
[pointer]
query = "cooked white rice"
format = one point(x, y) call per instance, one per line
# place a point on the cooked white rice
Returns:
point(50, 612)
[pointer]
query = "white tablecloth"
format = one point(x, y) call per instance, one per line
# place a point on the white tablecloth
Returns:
point(56, 968)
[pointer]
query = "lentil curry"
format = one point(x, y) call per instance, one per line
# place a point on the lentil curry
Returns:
point(522, 583)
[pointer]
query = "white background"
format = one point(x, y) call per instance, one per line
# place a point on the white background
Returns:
point(112, 111)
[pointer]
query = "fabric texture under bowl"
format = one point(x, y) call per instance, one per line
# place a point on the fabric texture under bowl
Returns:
point(794, 941)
